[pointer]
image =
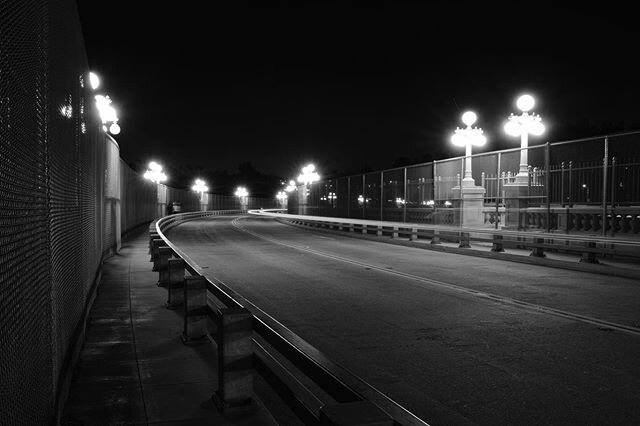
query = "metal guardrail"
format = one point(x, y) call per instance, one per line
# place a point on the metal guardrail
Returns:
point(316, 389)
point(588, 247)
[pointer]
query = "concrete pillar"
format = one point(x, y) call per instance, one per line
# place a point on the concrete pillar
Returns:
point(175, 283)
point(235, 375)
point(195, 310)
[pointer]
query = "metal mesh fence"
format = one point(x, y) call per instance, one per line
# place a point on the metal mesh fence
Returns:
point(25, 275)
point(65, 199)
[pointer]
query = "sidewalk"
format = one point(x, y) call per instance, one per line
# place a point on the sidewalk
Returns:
point(133, 368)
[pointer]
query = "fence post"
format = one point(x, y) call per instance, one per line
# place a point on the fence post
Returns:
point(404, 208)
point(195, 310)
point(498, 197)
point(605, 163)
point(547, 182)
point(235, 376)
point(435, 239)
point(175, 284)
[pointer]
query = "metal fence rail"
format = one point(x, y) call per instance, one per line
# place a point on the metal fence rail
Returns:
point(598, 177)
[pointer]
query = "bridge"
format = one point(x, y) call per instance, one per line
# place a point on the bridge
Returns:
point(393, 297)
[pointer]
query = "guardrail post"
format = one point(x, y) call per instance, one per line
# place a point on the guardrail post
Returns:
point(414, 234)
point(435, 239)
point(351, 228)
point(195, 310)
point(464, 240)
point(161, 263)
point(155, 243)
point(175, 283)
point(152, 236)
point(589, 256)
point(497, 244)
point(538, 251)
point(395, 232)
point(358, 413)
point(235, 352)
point(364, 228)
point(158, 244)
point(379, 231)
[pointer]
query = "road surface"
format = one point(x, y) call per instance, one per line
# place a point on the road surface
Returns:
point(455, 339)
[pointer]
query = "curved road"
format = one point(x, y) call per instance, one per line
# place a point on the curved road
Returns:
point(455, 339)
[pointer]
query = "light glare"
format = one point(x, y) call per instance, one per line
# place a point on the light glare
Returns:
point(94, 80)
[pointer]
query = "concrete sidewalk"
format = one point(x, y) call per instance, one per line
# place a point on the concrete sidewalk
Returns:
point(133, 368)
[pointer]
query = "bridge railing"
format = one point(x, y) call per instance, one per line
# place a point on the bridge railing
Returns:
point(316, 389)
point(588, 248)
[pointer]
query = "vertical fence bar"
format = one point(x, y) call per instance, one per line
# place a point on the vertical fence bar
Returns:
point(605, 163)
point(562, 184)
point(435, 194)
point(364, 196)
point(404, 209)
point(547, 182)
point(381, 193)
point(498, 181)
point(613, 180)
point(349, 196)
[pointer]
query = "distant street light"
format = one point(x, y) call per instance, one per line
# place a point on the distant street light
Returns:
point(155, 173)
point(308, 175)
point(291, 186)
point(522, 125)
point(242, 194)
point(282, 198)
point(468, 137)
point(201, 187)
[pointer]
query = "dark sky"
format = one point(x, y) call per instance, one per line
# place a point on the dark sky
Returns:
point(349, 86)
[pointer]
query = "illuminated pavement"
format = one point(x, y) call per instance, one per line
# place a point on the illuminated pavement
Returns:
point(455, 339)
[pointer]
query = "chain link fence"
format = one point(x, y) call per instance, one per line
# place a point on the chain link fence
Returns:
point(66, 198)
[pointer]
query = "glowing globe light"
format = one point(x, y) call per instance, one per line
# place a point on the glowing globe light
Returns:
point(467, 138)
point(200, 186)
point(241, 192)
point(94, 80)
point(308, 175)
point(523, 125)
point(114, 129)
point(291, 186)
point(155, 173)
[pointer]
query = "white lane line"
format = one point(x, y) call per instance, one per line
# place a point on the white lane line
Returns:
point(502, 299)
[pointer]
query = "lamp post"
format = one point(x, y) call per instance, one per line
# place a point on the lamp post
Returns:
point(156, 175)
point(522, 125)
point(243, 195)
point(469, 198)
point(201, 187)
point(108, 114)
point(306, 178)
point(282, 198)
point(467, 138)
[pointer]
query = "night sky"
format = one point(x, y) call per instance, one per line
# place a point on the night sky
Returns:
point(351, 86)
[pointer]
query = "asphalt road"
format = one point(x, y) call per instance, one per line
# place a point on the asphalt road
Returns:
point(453, 338)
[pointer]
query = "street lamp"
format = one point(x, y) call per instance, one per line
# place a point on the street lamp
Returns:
point(308, 175)
point(242, 194)
point(155, 173)
point(282, 197)
point(522, 125)
point(291, 186)
point(201, 187)
point(468, 137)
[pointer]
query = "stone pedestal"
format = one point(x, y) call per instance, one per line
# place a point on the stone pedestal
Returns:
point(471, 203)
point(516, 202)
